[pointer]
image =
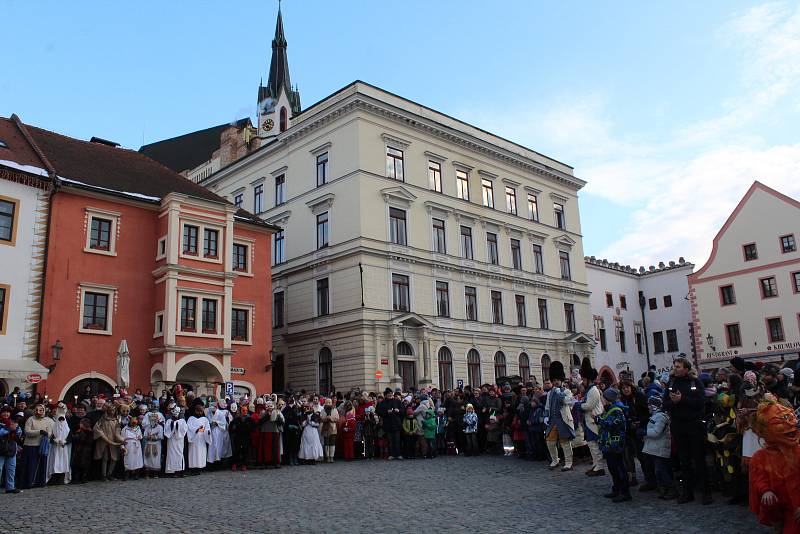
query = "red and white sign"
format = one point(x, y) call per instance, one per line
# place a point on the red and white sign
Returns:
point(378, 374)
point(33, 378)
point(384, 361)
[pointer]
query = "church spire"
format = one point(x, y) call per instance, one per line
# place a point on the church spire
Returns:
point(279, 69)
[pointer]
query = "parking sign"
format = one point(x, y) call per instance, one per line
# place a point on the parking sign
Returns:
point(229, 389)
point(460, 383)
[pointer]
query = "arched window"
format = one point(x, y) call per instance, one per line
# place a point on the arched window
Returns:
point(284, 119)
point(499, 365)
point(576, 361)
point(325, 371)
point(524, 367)
point(545, 367)
point(445, 369)
point(404, 349)
point(474, 368)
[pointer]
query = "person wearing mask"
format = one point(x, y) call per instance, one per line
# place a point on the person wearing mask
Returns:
point(684, 402)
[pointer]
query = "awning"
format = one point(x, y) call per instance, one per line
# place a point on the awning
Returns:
point(20, 368)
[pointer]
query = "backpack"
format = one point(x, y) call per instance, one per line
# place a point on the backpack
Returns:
point(8, 447)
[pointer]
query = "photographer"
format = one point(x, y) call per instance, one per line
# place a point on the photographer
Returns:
point(684, 401)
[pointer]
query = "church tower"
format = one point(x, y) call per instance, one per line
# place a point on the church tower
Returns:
point(277, 101)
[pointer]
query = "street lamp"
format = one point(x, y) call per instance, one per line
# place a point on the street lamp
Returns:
point(56, 350)
point(710, 341)
point(271, 360)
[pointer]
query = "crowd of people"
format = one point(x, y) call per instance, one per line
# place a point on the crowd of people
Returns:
point(690, 434)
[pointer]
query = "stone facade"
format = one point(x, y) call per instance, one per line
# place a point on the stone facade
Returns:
point(333, 164)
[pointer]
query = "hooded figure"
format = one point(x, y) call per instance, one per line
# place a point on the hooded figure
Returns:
point(220, 447)
point(560, 425)
point(58, 461)
point(153, 433)
point(107, 441)
point(175, 431)
point(199, 437)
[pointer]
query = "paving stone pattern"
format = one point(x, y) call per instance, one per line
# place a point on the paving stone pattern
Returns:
point(451, 494)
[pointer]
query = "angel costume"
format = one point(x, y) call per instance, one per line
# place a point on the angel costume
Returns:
point(133, 448)
point(175, 431)
point(58, 461)
point(310, 446)
point(220, 447)
point(153, 434)
point(199, 436)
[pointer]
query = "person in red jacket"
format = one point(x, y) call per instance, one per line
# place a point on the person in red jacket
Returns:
point(349, 432)
point(775, 469)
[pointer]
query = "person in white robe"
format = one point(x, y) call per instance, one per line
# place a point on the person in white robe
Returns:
point(310, 446)
point(175, 431)
point(220, 447)
point(133, 460)
point(58, 461)
point(199, 436)
point(152, 434)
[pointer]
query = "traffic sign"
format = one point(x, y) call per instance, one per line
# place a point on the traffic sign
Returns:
point(460, 383)
point(228, 389)
point(378, 374)
point(33, 378)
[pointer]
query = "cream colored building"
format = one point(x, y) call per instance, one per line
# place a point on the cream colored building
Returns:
point(746, 298)
point(380, 255)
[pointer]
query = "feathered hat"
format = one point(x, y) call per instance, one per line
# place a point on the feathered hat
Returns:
point(557, 371)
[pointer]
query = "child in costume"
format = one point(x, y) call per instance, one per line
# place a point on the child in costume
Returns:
point(239, 430)
point(409, 434)
point(132, 450)
point(310, 446)
point(349, 430)
point(152, 435)
point(175, 431)
point(82, 450)
point(471, 430)
point(612, 424)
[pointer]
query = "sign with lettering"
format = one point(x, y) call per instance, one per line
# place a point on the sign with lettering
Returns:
point(784, 346)
point(460, 383)
point(228, 389)
point(237, 370)
point(384, 361)
point(33, 378)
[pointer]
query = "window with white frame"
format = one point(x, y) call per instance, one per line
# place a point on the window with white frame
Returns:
point(538, 259)
point(209, 316)
point(439, 241)
point(533, 207)
point(466, 242)
point(240, 324)
point(435, 176)
point(487, 192)
point(97, 305)
point(188, 321)
point(566, 273)
point(279, 248)
point(322, 169)
point(258, 198)
point(158, 328)
point(462, 184)
point(241, 257)
point(190, 236)
point(238, 200)
point(442, 299)
point(394, 163)
point(522, 319)
point(492, 255)
point(210, 243)
point(497, 307)
point(9, 213)
point(401, 292)
point(102, 230)
point(397, 226)
point(511, 200)
point(516, 254)
point(323, 230)
point(323, 297)
point(558, 210)
point(280, 183)
point(5, 304)
point(471, 303)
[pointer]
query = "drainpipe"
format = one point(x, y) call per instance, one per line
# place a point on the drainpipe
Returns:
point(361, 274)
point(644, 329)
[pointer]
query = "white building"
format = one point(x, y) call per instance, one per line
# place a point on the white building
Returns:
point(641, 318)
point(416, 248)
point(24, 195)
point(746, 298)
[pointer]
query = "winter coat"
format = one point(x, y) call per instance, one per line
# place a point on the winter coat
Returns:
point(410, 426)
point(389, 418)
point(690, 409)
point(470, 423)
point(658, 441)
point(329, 422)
point(612, 428)
point(429, 425)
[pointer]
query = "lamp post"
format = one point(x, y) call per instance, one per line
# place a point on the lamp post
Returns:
point(710, 341)
point(642, 302)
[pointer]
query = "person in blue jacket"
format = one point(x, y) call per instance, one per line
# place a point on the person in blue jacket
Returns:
point(10, 437)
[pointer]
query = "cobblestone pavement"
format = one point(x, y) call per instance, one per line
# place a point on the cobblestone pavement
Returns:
point(443, 495)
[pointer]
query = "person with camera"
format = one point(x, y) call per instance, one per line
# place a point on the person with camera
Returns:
point(389, 411)
point(684, 401)
point(10, 438)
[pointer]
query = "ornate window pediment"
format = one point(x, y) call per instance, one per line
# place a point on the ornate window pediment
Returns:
point(398, 195)
point(564, 242)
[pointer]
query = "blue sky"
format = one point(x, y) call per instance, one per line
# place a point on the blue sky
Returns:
point(668, 109)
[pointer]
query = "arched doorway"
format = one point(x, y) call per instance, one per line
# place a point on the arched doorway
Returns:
point(406, 366)
point(545, 367)
point(445, 369)
point(87, 388)
point(499, 365)
point(474, 368)
point(200, 376)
